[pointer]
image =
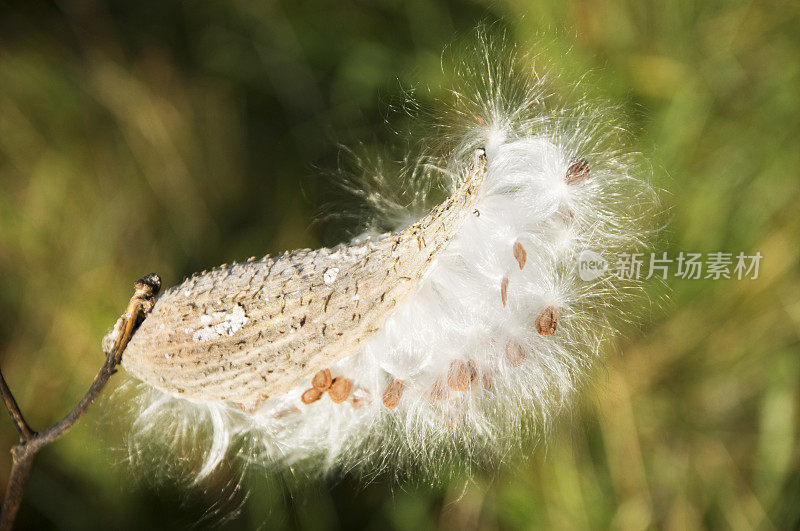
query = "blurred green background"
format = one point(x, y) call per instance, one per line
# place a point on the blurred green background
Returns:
point(173, 136)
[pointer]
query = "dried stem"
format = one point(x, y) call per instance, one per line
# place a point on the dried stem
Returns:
point(30, 441)
point(25, 431)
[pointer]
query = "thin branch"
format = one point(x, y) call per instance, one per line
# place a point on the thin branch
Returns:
point(31, 442)
point(25, 431)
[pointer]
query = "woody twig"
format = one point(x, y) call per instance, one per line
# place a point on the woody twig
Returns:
point(30, 441)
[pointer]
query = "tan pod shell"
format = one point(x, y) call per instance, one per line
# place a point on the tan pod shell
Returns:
point(249, 330)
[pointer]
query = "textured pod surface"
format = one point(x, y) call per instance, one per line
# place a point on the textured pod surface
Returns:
point(247, 331)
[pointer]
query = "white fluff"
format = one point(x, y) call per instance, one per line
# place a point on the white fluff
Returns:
point(457, 313)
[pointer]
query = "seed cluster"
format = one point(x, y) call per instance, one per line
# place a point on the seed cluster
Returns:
point(338, 388)
point(545, 323)
point(461, 375)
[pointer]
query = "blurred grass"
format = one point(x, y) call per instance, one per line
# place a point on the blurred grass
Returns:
point(173, 136)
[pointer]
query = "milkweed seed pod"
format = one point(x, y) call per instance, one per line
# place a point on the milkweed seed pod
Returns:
point(444, 338)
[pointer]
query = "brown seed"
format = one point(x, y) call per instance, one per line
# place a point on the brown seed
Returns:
point(311, 395)
point(578, 172)
point(439, 391)
point(392, 394)
point(322, 380)
point(520, 254)
point(504, 290)
point(283, 413)
point(488, 382)
point(563, 218)
point(361, 397)
point(462, 376)
point(481, 121)
point(515, 353)
point(473, 373)
point(253, 405)
point(453, 419)
point(340, 389)
point(248, 407)
point(546, 322)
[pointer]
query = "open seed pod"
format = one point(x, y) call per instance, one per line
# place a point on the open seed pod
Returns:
point(442, 338)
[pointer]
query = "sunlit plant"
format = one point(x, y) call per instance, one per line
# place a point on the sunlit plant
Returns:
point(455, 335)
